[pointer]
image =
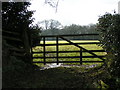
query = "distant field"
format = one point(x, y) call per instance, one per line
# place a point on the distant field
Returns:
point(61, 41)
point(69, 48)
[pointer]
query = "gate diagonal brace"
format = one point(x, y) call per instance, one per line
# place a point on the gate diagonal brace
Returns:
point(81, 47)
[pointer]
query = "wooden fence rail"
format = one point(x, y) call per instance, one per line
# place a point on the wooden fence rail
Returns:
point(19, 45)
point(11, 36)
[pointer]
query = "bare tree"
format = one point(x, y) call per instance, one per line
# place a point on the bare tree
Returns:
point(53, 3)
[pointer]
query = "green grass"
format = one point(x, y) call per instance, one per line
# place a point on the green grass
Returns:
point(69, 48)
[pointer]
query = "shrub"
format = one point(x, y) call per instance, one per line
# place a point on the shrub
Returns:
point(109, 27)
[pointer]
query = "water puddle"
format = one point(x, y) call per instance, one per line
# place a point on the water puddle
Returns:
point(54, 65)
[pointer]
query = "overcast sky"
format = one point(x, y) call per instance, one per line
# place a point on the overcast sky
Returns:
point(82, 12)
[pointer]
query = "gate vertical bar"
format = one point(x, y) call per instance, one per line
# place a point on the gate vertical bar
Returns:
point(57, 48)
point(81, 56)
point(44, 50)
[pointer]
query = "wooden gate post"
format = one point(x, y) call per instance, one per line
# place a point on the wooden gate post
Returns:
point(27, 46)
point(31, 45)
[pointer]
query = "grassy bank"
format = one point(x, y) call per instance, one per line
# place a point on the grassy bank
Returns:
point(63, 77)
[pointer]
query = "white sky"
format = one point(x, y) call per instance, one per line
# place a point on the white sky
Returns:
point(82, 12)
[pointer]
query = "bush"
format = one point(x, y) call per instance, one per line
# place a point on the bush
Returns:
point(109, 27)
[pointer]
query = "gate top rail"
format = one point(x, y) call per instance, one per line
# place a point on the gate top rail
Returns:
point(67, 35)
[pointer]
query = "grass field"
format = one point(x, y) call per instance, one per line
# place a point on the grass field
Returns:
point(69, 48)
